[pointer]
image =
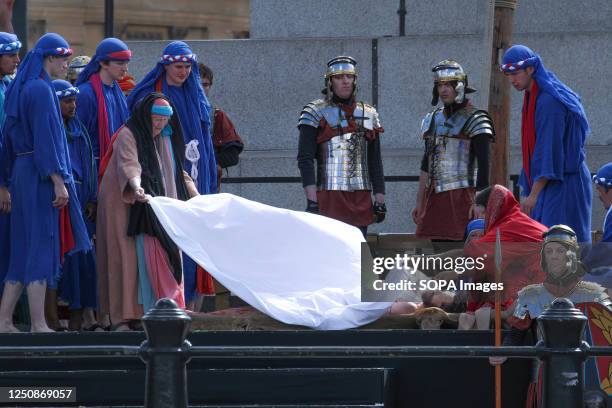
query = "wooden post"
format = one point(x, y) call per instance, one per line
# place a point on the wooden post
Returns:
point(499, 96)
point(498, 339)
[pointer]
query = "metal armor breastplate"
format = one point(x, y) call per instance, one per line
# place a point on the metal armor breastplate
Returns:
point(343, 159)
point(450, 165)
point(343, 163)
point(535, 299)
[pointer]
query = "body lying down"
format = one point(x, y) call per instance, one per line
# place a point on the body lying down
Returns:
point(298, 268)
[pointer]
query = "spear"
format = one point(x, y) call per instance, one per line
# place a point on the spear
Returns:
point(498, 263)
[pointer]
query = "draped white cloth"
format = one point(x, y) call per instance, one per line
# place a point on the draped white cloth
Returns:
point(296, 267)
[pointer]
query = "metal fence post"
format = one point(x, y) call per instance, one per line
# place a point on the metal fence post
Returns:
point(166, 353)
point(562, 327)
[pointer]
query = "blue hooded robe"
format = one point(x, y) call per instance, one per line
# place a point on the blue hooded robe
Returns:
point(9, 44)
point(193, 110)
point(35, 148)
point(78, 285)
point(109, 49)
point(561, 128)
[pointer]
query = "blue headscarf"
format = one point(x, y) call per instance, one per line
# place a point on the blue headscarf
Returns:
point(109, 49)
point(32, 67)
point(177, 51)
point(477, 224)
point(64, 89)
point(520, 57)
point(604, 176)
point(9, 43)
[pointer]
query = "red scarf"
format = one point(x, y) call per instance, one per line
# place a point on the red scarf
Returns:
point(528, 135)
point(521, 242)
point(66, 238)
point(103, 130)
point(204, 282)
point(104, 159)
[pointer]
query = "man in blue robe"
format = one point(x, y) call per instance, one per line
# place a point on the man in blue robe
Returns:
point(46, 221)
point(78, 284)
point(176, 75)
point(102, 105)
point(598, 258)
point(9, 59)
point(555, 181)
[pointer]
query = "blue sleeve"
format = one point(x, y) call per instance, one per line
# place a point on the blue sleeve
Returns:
point(212, 162)
point(549, 154)
point(600, 254)
point(92, 172)
point(87, 112)
point(6, 160)
point(524, 184)
point(607, 236)
point(49, 140)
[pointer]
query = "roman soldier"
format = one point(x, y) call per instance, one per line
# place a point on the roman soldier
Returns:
point(564, 274)
point(342, 134)
point(457, 136)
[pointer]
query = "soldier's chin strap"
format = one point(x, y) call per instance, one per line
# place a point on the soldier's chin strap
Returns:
point(568, 277)
point(561, 281)
point(460, 89)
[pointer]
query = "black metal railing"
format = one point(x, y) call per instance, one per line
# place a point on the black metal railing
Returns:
point(166, 353)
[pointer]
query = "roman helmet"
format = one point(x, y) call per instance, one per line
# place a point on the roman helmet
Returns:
point(76, 66)
point(567, 237)
point(338, 66)
point(450, 71)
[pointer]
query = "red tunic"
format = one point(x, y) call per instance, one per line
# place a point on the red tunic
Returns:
point(224, 132)
point(445, 214)
point(351, 207)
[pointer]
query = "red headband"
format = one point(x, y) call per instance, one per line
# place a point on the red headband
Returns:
point(120, 55)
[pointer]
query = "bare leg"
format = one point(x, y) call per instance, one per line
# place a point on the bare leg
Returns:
point(10, 296)
point(76, 319)
point(51, 309)
point(88, 317)
point(36, 296)
point(197, 303)
point(104, 320)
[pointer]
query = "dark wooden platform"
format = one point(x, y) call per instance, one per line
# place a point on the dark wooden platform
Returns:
point(240, 381)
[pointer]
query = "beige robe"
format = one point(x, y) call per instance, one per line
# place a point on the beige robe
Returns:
point(115, 250)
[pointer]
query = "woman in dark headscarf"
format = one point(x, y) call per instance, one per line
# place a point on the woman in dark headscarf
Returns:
point(137, 262)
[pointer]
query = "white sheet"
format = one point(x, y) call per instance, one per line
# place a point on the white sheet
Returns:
point(296, 267)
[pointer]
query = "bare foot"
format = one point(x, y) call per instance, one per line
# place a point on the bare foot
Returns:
point(41, 328)
point(399, 308)
point(8, 327)
point(123, 326)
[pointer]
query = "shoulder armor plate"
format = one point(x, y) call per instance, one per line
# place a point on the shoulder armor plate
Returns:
point(427, 122)
point(312, 113)
point(479, 123)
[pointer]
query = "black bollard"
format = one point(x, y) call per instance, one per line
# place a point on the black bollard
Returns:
point(562, 327)
point(166, 353)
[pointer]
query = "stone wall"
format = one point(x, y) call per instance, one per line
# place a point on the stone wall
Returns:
point(262, 83)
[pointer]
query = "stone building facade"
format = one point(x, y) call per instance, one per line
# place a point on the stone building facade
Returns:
point(81, 22)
